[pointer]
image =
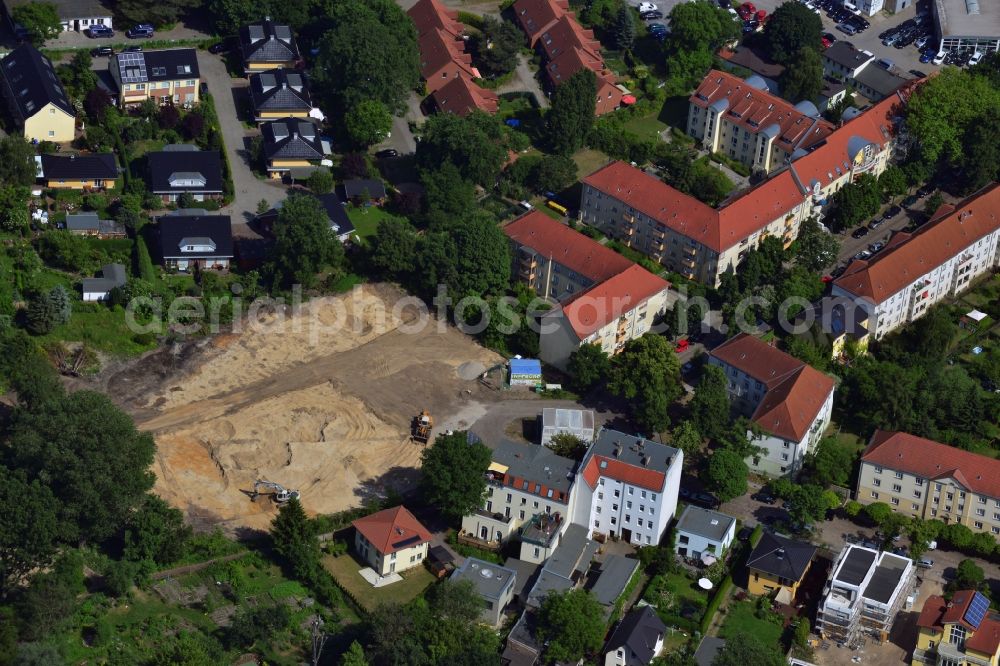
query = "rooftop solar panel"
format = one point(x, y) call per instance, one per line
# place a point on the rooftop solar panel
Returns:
point(406, 542)
point(977, 610)
point(133, 67)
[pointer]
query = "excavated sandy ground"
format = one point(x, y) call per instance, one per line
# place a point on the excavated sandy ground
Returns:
point(325, 410)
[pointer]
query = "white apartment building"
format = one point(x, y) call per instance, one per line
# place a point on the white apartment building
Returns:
point(791, 402)
point(917, 270)
point(866, 590)
point(530, 495)
point(628, 488)
point(700, 532)
point(701, 242)
point(921, 478)
point(742, 120)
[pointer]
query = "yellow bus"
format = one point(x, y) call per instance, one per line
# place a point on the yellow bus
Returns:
point(556, 207)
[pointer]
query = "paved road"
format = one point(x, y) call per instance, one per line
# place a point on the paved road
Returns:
point(525, 81)
point(75, 40)
point(402, 139)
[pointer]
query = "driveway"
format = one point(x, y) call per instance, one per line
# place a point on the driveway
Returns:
point(525, 81)
point(192, 30)
point(401, 139)
point(249, 188)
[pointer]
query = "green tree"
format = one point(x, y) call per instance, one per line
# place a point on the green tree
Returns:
point(456, 601)
point(625, 28)
point(700, 26)
point(554, 172)
point(476, 145)
point(571, 625)
point(368, 123)
point(17, 160)
point(981, 159)
point(810, 503)
point(304, 244)
point(155, 532)
point(893, 182)
point(447, 194)
point(568, 445)
point(320, 181)
point(791, 28)
point(28, 529)
point(968, 576)
point(815, 248)
point(958, 535)
point(742, 649)
point(471, 256)
point(922, 532)
point(91, 457)
point(50, 598)
point(687, 438)
point(160, 13)
point(394, 248)
point(803, 76)
point(802, 629)
point(294, 539)
point(453, 474)
point(831, 463)
point(355, 656)
point(572, 112)
point(8, 636)
point(878, 512)
point(851, 204)
point(498, 47)
point(709, 409)
point(587, 365)
point(647, 373)
point(370, 54)
point(726, 475)
point(42, 315)
point(39, 19)
point(256, 626)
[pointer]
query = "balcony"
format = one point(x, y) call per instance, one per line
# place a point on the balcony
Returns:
point(542, 529)
point(492, 515)
point(689, 263)
point(690, 250)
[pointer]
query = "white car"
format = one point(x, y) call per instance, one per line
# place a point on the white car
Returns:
point(939, 58)
point(976, 57)
point(647, 7)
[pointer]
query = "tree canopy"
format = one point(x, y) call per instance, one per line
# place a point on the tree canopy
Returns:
point(571, 624)
point(647, 373)
point(453, 474)
point(814, 248)
point(39, 19)
point(498, 46)
point(588, 365)
point(572, 112)
point(476, 145)
point(742, 649)
point(709, 408)
point(791, 28)
point(304, 244)
point(726, 474)
point(368, 122)
point(854, 202)
point(803, 76)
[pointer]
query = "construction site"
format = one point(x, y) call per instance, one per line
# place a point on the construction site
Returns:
point(333, 413)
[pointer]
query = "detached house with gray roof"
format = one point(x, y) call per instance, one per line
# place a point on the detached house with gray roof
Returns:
point(281, 93)
point(293, 147)
point(36, 98)
point(703, 532)
point(636, 640)
point(183, 168)
point(99, 288)
point(192, 238)
point(267, 45)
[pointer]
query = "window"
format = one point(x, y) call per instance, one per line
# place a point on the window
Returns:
point(534, 505)
point(982, 500)
point(648, 540)
point(784, 456)
point(628, 505)
point(896, 488)
point(899, 475)
point(617, 493)
point(878, 470)
point(614, 507)
point(682, 539)
point(600, 495)
point(597, 523)
point(876, 482)
point(52, 110)
point(957, 636)
point(644, 497)
point(521, 515)
point(652, 496)
point(631, 490)
point(489, 506)
point(598, 510)
point(52, 133)
point(509, 498)
point(638, 522)
point(917, 493)
point(914, 507)
point(980, 512)
point(536, 551)
point(874, 494)
point(614, 521)
point(895, 500)
point(978, 525)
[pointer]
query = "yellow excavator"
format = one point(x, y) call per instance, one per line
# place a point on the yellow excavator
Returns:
point(422, 425)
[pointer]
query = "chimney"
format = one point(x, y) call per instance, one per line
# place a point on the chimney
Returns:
point(780, 553)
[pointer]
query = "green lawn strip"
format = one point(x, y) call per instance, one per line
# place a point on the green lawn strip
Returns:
point(588, 160)
point(365, 220)
point(102, 328)
point(740, 618)
point(648, 126)
point(345, 570)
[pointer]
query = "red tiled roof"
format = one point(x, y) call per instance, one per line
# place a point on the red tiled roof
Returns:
point(570, 248)
point(430, 15)
point(986, 640)
point(612, 468)
point(461, 96)
point(566, 34)
point(795, 391)
point(933, 460)
point(593, 309)
point(535, 16)
point(393, 529)
point(930, 615)
point(937, 613)
point(439, 49)
point(754, 110)
point(906, 260)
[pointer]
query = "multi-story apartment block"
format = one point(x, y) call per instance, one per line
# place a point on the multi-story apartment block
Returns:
point(742, 120)
point(962, 631)
point(790, 401)
point(530, 494)
point(866, 590)
point(629, 488)
point(925, 479)
point(166, 77)
point(701, 242)
point(604, 298)
point(917, 270)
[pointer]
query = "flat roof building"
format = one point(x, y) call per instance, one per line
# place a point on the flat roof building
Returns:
point(972, 25)
point(576, 422)
point(494, 584)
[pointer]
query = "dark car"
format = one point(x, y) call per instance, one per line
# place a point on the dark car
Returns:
point(102, 51)
point(925, 190)
point(141, 31)
point(218, 47)
point(838, 271)
point(705, 499)
point(99, 31)
point(860, 232)
point(917, 73)
point(387, 153)
point(132, 49)
point(910, 200)
point(830, 37)
point(876, 246)
point(744, 534)
point(892, 212)
point(875, 224)
point(651, 16)
point(762, 496)
point(657, 28)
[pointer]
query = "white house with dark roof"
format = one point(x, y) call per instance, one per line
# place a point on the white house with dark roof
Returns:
point(184, 169)
point(35, 96)
point(636, 640)
point(74, 15)
point(702, 532)
point(493, 583)
point(191, 237)
point(99, 288)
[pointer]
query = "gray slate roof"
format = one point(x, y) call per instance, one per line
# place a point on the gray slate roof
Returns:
point(112, 275)
point(880, 80)
point(780, 556)
point(842, 53)
point(279, 90)
point(268, 41)
point(291, 138)
point(175, 228)
point(166, 164)
point(90, 222)
point(615, 573)
point(704, 523)
point(658, 456)
point(80, 167)
point(637, 633)
point(164, 65)
point(490, 580)
point(31, 82)
point(535, 464)
point(356, 187)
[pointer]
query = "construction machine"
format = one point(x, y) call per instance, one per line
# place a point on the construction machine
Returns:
point(422, 425)
point(280, 494)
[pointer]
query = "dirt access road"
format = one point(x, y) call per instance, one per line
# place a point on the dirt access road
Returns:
point(319, 400)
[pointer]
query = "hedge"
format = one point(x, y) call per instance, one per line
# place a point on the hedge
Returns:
point(713, 605)
point(143, 264)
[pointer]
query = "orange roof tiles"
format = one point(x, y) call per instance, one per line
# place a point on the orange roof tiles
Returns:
point(566, 34)
point(461, 96)
point(754, 110)
point(430, 15)
point(570, 248)
point(933, 460)
point(393, 529)
point(618, 470)
point(602, 304)
point(906, 260)
point(795, 391)
point(937, 612)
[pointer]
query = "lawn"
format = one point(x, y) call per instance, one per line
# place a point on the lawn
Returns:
point(674, 595)
point(588, 161)
point(102, 328)
point(345, 569)
point(648, 126)
point(740, 618)
point(365, 220)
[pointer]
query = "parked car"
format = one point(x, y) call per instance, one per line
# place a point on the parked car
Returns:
point(864, 254)
point(682, 346)
point(387, 153)
point(917, 73)
point(651, 16)
point(647, 7)
point(892, 212)
point(876, 246)
point(925, 190)
point(927, 56)
point(135, 48)
point(910, 200)
point(939, 58)
point(102, 51)
point(925, 563)
point(218, 47)
point(763, 496)
point(705, 498)
point(875, 224)
point(837, 272)
point(141, 31)
point(830, 36)
point(846, 29)
point(976, 57)
point(860, 232)
point(100, 31)
point(657, 29)
point(885, 63)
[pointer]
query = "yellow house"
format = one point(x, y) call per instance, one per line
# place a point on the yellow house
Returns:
point(170, 76)
point(78, 172)
point(962, 632)
point(391, 541)
point(777, 566)
point(36, 98)
point(280, 93)
point(292, 146)
point(267, 45)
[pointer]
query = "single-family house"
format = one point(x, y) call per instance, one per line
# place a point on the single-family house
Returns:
point(755, 60)
point(363, 190)
point(35, 96)
point(99, 288)
point(170, 76)
point(962, 630)
point(293, 147)
point(340, 223)
point(493, 583)
point(281, 93)
point(777, 566)
point(75, 15)
point(636, 640)
point(89, 224)
point(877, 83)
point(184, 169)
point(192, 238)
point(268, 45)
point(789, 401)
point(391, 541)
point(702, 532)
point(96, 171)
